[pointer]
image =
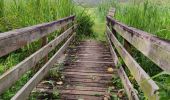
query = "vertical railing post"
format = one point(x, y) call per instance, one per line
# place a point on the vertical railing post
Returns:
point(74, 28)
point(111, 13)
point(44, 41)
point(126, 44)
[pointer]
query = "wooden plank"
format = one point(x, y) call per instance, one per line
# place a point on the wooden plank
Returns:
point(79, 92)
point(155, 48)
point(101, 62)
point(95, 80)
point(91, 77)
point(88, 74)
point(86, 71)
point(126, 83)
point(13, 40)
point(148, 86)
point(12, 75)
point(24, 92)
point(82, 88)
point(90, 70)
point(80, 97)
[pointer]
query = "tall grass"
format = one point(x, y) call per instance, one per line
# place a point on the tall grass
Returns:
point(85, 22)
point(21, 13)
point(1, 8)
point(147, 16)
point(103, 8)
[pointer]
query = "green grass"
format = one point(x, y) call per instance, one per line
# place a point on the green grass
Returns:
point(21, 13)
point(147, 16)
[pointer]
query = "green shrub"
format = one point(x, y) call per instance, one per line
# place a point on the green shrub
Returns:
point(85, 22)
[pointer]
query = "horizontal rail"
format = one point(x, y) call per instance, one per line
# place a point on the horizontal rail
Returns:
point(24, 92)
point(148, 86)
point(13, 40)
point(11, 76)
point(132, 95)
point(156, 49)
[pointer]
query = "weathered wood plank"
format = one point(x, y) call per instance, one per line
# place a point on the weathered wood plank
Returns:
point(13, 40)
point(148, 86)
point(87, 74)
point(24, 92)
point(91, 77)
point(80, 97)
point(88, 81)
point(126, 83)
point(82, 88)
point(78, 92)
point(155, 48)
point(12, 75)
point(101, 62)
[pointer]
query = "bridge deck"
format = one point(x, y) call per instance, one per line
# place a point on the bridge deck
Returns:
point(86, 76)
point(85, 72)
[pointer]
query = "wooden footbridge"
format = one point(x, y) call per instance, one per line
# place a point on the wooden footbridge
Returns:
point(85, 71)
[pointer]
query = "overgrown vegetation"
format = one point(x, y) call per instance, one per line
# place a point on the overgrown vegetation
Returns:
point(152, 16)
point(85, 22)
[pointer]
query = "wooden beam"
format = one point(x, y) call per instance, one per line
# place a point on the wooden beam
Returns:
point(148, 86)
point(132, 95)
point(155, 48)
point(13, 40)
point(24, 92)
point(12, 75)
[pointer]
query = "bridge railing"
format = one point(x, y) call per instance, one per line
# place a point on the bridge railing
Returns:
point(13, 40)
point(154, 48)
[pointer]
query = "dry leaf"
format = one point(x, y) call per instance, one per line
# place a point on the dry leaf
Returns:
point(59, 83)
point(110, 70)
point(80, 99)
point(121, 93)
point(105, 98)
point(112, 87)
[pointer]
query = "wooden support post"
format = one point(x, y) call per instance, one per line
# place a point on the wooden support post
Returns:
point(127, 46)
point(64, 28)
point(44, 41)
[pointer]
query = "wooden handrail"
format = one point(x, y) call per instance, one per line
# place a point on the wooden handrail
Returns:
point(12, 75)
point(155, 48)
point(13, 40)
point(24, 92)
point(28, 35)
point(132, 95)
point(148, 86)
